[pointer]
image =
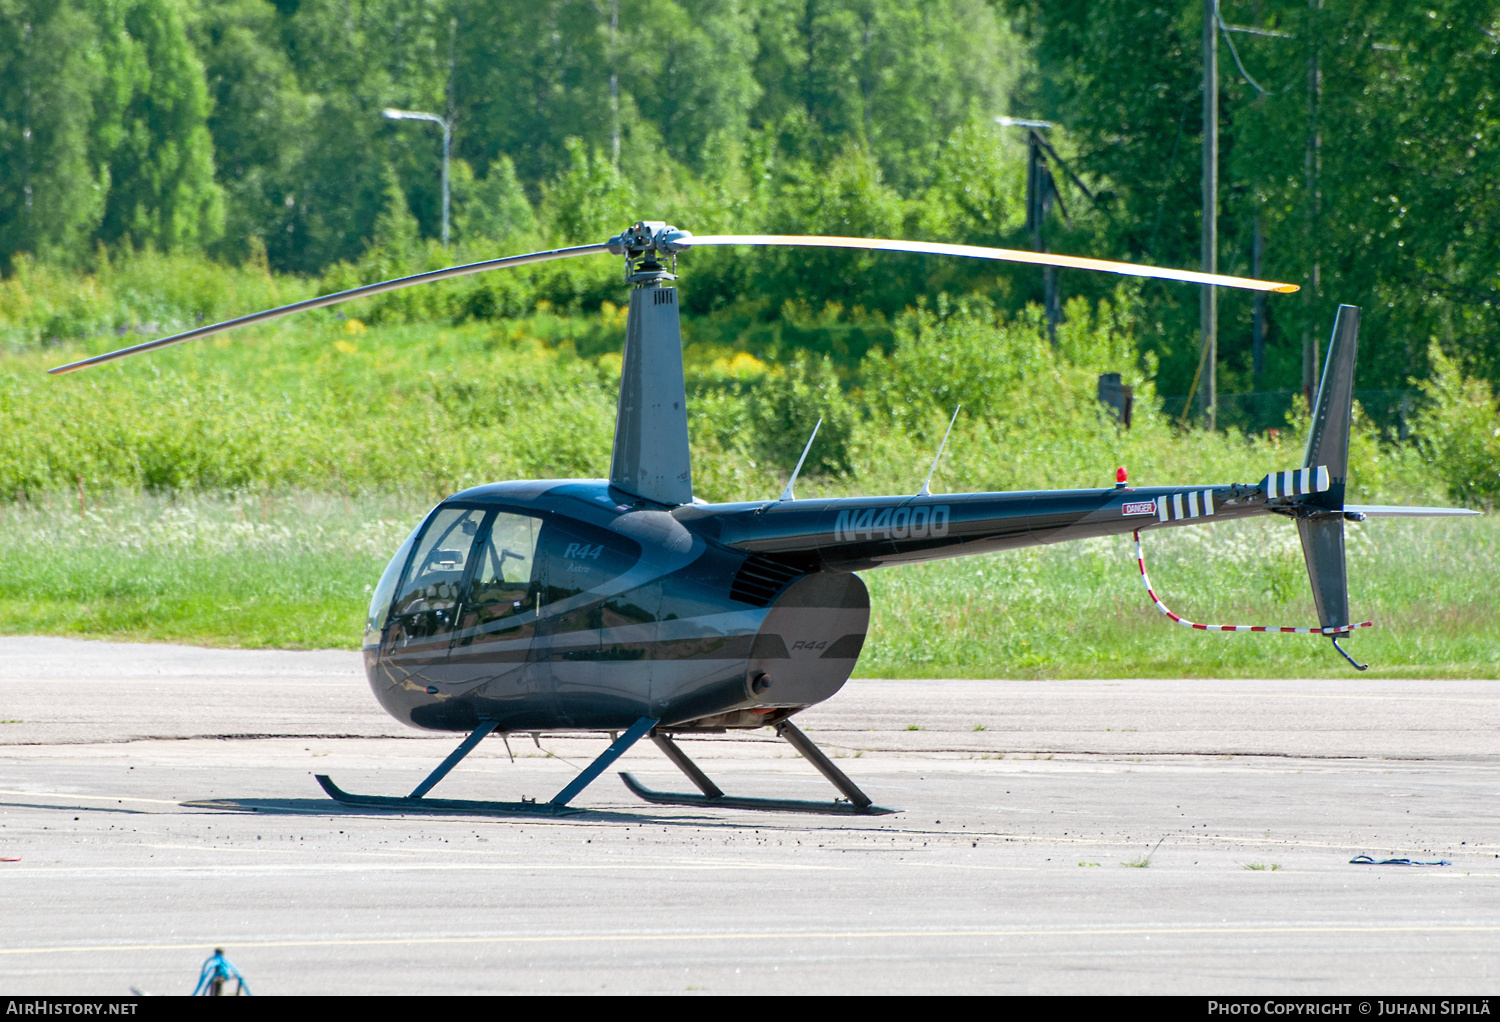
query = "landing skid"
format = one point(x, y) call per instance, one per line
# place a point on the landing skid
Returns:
point(415, 802)
point(838, 807)
point(442, 805)
point(854, 802)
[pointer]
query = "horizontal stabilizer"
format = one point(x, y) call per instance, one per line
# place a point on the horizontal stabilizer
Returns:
point(1393, 511)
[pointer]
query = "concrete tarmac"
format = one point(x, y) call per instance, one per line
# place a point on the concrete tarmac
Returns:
point(1184, 836)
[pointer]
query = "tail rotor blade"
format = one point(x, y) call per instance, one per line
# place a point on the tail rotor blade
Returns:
point(334, 299)
point(980, 252)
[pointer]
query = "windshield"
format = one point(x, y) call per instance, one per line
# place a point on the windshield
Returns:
point(432, 579)
point(380, 602)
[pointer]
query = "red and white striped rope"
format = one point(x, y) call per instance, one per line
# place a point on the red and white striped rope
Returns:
point(1140, 559)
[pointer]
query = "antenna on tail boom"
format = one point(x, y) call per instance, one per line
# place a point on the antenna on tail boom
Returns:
point(786, 494)
point(924, 491)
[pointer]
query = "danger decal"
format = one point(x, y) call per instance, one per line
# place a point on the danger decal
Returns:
point(1139, 507)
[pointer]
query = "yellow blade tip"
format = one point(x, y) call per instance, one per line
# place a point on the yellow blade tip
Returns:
point(1287, 289)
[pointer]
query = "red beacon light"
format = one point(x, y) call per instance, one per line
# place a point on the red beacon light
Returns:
point(1120, 477)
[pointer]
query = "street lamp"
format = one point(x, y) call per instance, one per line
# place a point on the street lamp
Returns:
point(1041, 193)
point(416, 115)
point(1017, 122)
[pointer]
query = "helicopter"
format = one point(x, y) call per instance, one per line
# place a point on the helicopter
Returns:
point(630, 607)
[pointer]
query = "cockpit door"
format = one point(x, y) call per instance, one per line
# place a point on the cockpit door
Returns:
point(579, 566)
point(502, 592)
point(492, 658)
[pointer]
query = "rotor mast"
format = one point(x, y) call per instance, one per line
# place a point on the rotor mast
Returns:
point(651, 457)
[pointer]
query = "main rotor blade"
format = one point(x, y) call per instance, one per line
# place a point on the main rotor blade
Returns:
point(334, 299)
point(978, 252)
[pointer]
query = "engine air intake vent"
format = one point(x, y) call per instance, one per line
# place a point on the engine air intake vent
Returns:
point(760, 579)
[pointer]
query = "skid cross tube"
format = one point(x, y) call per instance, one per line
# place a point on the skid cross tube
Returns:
point(854, 803)
point(814, 755)
point(466, 747)
point(415, 802)
point(687, 766)
point(615, 751)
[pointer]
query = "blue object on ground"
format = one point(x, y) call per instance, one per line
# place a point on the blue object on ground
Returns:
point(217, 970)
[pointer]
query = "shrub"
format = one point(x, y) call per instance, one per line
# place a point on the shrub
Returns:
point(1458, 431)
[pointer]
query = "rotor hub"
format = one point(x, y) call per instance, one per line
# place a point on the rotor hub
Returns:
point(644, 245)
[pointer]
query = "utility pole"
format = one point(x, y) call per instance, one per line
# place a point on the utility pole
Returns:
point(614, 84)
point(1314, 202)
point(1040, 191)
point(29, 232)
point(1258, 308)
point(1208, 302)
point(1257, 254)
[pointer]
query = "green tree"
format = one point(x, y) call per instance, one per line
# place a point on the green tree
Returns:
point(396, 230)
point(151, 130)
point(898, 76)
point(493, 208)
point(50, 192)
point(258, 121)
point(531, 75)
point(690, 75)
point(591, 201)
point(354, 58)
point(1367, 162)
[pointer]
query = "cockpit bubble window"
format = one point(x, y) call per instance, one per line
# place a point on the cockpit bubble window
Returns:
point(380, 601)
point(502, 582)
point(432, 579)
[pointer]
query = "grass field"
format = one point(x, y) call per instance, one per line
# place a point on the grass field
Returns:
point(295, 570)
point(335, 406)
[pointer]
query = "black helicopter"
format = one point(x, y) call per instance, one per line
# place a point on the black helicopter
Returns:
point(627, 606)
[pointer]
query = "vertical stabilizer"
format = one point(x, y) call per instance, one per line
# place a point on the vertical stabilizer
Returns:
point(1328, 445)
point(1333, 413)
point(651, 457)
